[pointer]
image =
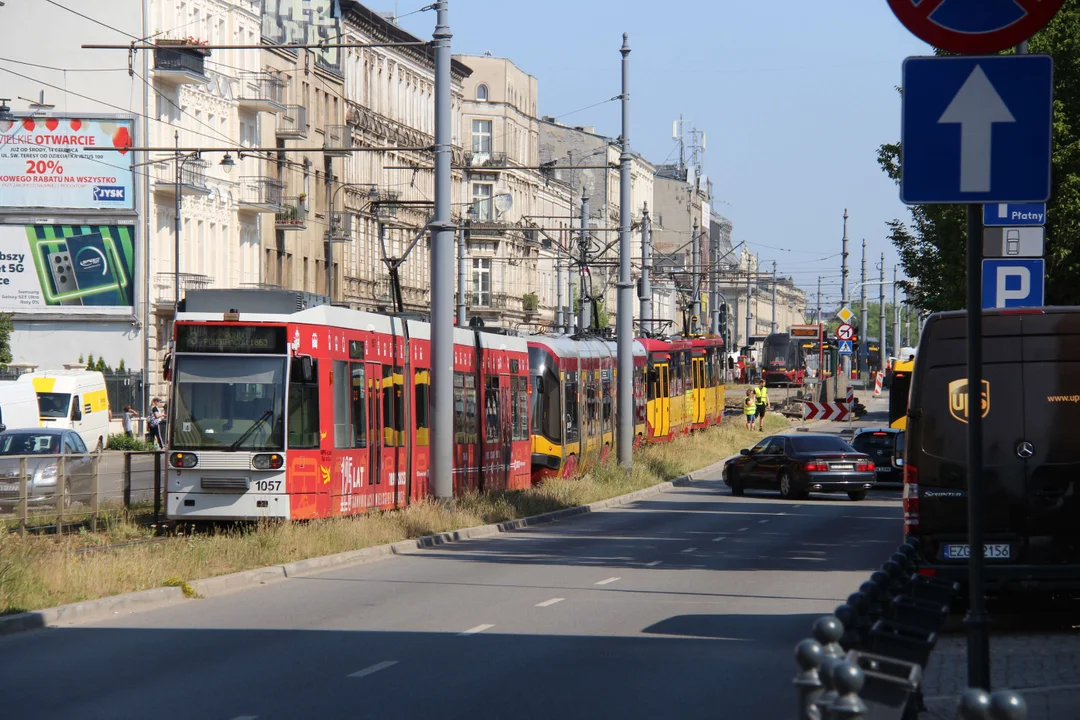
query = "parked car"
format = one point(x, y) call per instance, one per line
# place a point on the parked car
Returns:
point(797, 465)
point(885, 447)
point(42, 449)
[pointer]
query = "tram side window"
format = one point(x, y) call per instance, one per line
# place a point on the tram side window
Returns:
point(304, 405)
point(341, 392)
point(359, 406)
point(492, 416)
point(607, 404)
point(547, 407)
point(653, 383)
point(393, 407)
point(571, 419)
point(422, 408)
point(459, 409)
point(520, 408)
point(639, 395)
point(470, 410)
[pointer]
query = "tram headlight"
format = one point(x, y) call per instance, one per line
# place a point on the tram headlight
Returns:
point(268, 462)
point(183, 461)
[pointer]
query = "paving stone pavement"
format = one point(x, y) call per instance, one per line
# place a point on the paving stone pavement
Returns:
point(1043, 667)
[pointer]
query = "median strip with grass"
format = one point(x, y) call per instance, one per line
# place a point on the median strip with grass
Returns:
point(46, 571)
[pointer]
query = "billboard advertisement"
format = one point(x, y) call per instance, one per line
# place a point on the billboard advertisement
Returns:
point(76, 269)
point(49, 162)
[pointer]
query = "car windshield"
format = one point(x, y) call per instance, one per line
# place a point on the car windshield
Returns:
point(226, 402)
point(54, 405)
point(820, 444)
point(29, 444)
point(874, 441)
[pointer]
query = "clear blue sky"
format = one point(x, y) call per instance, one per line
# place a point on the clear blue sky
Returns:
point(795, 97)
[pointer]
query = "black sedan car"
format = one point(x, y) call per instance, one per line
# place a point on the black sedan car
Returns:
point(797, 465)
point(885, 447)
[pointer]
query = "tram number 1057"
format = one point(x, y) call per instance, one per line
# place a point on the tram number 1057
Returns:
point(267, 485)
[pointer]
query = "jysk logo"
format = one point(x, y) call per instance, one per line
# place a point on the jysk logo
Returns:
point(109, 193)
point(958, 399)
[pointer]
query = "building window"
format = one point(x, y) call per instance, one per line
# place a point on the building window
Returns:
point(481, 136)
point(481, 205)
point(482, 93)
point(481, 282)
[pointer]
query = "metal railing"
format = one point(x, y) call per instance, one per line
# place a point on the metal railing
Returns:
point(339, 140)
point(292, 123)
point(192, 174)
point(293, 216)
point(176, 60)
point(260, 88)
point(262, 192)
point(866, 660)
point(165, 285)
point(485, 159)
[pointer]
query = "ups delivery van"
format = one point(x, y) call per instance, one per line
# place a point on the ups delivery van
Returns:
point(1030, 404)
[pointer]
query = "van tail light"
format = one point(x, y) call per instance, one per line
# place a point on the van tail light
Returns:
point(816, 466)
point(927, 572)
point(911, 499)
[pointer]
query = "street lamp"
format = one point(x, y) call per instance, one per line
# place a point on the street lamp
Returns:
point(227, 164)
point(6, 118)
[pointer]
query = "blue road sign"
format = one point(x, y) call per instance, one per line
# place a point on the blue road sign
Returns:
point(1014, 214)
point(845, 347)
point(1013, 283)
point(976, 129)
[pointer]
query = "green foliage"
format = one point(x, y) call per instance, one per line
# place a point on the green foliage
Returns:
point(530, 302)
point(600, 312)
point(91, 363)
point(128, 444)
point(121, 367)
point(7, 326)
point(102, 366)
point(82, 360)
point(932, 244)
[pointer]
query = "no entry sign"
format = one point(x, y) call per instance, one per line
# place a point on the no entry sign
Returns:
point(975, 26)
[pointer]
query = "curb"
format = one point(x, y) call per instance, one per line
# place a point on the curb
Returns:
point(103, 608)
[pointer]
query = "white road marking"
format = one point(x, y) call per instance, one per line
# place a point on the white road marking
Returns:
point(743, 529)
point(720, 539)
point(374, 668)
point(549, 603)
point(608, 581)
point(795, 507)
point(762, 522)
point(245, 717)
point(654, 563)
point(689, 550)
point(477, 629)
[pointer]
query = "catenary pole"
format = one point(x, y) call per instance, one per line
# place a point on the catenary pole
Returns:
point(695, 279)
point(462, 277)
point(896, 314)
point(624, 336)
point(774, 296)
point(845, 359)
point(442, 270)
point(882, 327)
point(583, 267)
point(646, 269)
point(864, 319)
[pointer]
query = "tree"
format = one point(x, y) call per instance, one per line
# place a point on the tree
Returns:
point(91, 364)
point(121, 367)
point(932, 245)
point(7, 326)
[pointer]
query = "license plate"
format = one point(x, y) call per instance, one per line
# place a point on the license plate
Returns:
point(883, 469)
point(991, 551)
point(9, 487)
point(843, 467)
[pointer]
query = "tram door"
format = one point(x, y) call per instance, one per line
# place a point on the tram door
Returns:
point(376, 435)
point(698, 368)
point(506, 431)
point(662, 402)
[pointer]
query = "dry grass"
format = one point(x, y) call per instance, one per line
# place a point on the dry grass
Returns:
point(46, 571)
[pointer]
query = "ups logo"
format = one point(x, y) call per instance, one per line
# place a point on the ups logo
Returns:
point(958, 399)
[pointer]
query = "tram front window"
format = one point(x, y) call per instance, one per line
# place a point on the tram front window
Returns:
point(228, 403)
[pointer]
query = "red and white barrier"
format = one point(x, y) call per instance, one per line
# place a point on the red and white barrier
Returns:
point(825, 411)
point(877, 383)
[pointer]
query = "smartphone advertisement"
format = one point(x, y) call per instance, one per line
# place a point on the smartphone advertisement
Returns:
point(66, 163)
point(67, 268)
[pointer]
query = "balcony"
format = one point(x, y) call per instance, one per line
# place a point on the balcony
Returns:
point(192, 177)
point(292, 123)
point(485, 159)
point(165, 286)
point(261, 194)
point(261, 92)
point(488, 301)
point(180, 64)
point(293, 217)
point(339, 141)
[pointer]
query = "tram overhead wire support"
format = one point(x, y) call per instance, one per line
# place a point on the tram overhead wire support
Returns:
point(624, 406)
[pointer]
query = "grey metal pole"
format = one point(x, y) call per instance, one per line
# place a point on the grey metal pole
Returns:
point(883, 328)
point(463, 278)
point(714, 290)
point(558, 290)
point(695, 279)
point(177, 227)
point(583, 268)
point(624, 319)
point(845, 359)
point(571, 283)
point(774, 296)
point(646, 270)
point(144, 246)
point(330, 228)
point(749, 315)
point(864, 320)
point(442, 270)
point(896, 315)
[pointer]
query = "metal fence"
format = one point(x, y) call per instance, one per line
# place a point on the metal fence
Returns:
point(123, 388)
point(866, 661)
point(77, 490)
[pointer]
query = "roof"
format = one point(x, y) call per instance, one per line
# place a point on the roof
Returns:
point(396, 33)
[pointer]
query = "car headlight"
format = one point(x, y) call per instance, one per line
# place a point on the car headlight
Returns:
point(46, 476)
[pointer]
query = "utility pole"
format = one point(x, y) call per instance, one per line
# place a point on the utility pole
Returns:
point(463, 278)
point(864, 321)
point(695, 280)
point(558, 290)
point(714, 290)
point(896, 315)
point(328, 166)
point(883, 330)
point(583, 268)
point(442, 273)
point(624, 319)
point(749, 315)
point(177, 227)
point(846, 359)
point(645, 295)
point(571, 285)
point(818, 316)
point(907, 325)
point(774, 296)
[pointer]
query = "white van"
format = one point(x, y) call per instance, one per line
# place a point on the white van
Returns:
point(18, 406)
point(75, 399)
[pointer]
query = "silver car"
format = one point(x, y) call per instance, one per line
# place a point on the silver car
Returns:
point(42, 449)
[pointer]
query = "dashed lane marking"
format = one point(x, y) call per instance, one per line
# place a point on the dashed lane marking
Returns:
point(720, 539)
point(377, 667)
point(689, 550)
point(475, 630)
point(654, 563)
point(549, 603)
point(609, 581)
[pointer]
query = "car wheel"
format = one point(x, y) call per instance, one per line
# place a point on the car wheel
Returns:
point(857, 495)
point(787, 491)
point(734, 482)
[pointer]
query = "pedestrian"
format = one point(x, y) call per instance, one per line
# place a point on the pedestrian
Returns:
point(130, 416)
point(157, 417)
point(762, 396)
point(750, 408)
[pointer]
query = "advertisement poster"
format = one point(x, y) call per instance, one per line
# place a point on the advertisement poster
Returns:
point(45, 163)
point(67, 268)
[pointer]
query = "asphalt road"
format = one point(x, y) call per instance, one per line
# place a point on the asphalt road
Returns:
point(684, 605)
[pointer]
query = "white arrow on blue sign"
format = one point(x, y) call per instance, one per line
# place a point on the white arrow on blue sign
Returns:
point(845, 347)
point(1013, 283)
point(977, 129)
point(1014, 214)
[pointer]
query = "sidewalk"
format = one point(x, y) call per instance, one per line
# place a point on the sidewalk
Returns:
point(1043, 667)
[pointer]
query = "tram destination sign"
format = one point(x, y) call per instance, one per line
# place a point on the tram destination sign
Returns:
point(239, 339)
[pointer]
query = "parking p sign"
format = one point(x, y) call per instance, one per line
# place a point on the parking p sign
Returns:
point(1013, 283)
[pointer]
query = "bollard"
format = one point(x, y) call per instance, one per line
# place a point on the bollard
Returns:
point(932, 589)
point(906, 564)
point(889, 685)
point(884, 581)
point(828, 631)
point(912, 541)
point(808, 654)
point(860, 604)
point(892, 639)
point(974, 704)
point(1007, 705)
point(847, 617)
point(820, 708)
point(897, 577)
point(873, 595)
point(921, 614)
point(848, 680)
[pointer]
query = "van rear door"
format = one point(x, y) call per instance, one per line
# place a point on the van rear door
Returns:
point(1051, 348)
